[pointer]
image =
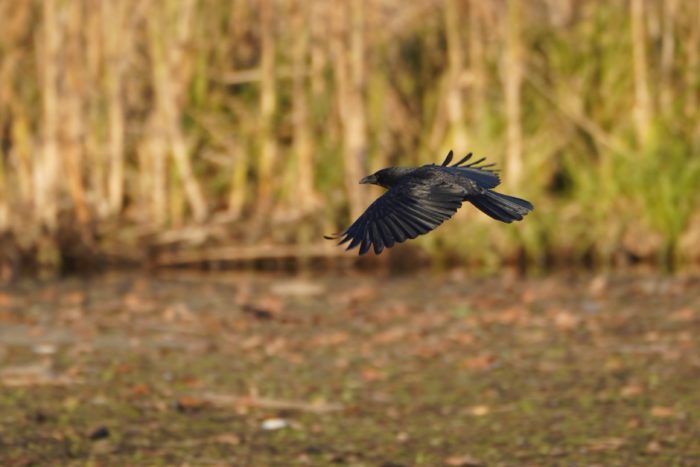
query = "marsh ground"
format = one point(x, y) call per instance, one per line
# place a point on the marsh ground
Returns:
point(376, 370)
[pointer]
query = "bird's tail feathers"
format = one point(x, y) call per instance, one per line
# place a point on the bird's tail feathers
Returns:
point(502, 207)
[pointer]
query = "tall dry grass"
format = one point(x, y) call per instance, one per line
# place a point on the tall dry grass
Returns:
point(128, 123)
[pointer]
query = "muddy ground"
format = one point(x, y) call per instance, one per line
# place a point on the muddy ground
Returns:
point(376, 370)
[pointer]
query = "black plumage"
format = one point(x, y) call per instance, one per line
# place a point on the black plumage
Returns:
point(419, 199)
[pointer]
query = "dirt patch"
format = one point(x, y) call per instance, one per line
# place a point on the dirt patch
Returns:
point(356, 369)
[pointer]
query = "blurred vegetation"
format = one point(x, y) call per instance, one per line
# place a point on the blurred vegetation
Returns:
point(183, 123)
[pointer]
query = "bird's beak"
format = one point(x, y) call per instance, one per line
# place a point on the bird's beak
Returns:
point(369, 179)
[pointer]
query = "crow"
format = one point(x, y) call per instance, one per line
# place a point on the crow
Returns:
point(419, 199)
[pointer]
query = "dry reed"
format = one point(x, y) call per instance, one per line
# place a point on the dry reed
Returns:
point(122, 121)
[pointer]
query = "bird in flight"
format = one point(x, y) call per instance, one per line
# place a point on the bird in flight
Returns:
point(419, 199)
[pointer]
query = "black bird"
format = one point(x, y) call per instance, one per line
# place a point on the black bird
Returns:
point(419, 199)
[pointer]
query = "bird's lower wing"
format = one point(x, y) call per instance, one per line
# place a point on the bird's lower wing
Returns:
point(404, 212)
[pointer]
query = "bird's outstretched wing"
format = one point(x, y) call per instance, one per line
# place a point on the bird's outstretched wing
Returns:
point(405, 211)
point(483, 174)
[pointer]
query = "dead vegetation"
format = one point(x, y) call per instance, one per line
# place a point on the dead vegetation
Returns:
point(252, 122)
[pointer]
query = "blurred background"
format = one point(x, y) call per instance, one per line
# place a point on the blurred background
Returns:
point(131, 128)
point(231, 135)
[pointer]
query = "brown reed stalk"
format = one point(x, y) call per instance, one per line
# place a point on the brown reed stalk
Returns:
point(46, 166)
point(268, 105)
point(239, 182)
point(170, 78)
point(15, 160)
point(668, 51)
point(455, 69)
point(116, 39)
point(512, 77)
point(319, 30)
point(96, 169)
point(72, 102)
point(477, 65)
point(642, 101)
point(692, 68)
point(238, 194)
point(303, 142)
point(348, 57)
point(154, 146)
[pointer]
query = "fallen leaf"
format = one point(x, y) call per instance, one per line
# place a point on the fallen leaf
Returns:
point(614, 364)
point(464, 461)
point(135, 303)
point(598, 286)
point(44, 349)
point(511, 315)
point(566, 321)
point(228, 438)
point(76, 297)
point(178, 312)
point(397, 333)
point(631, 390)
point(528, 296)
point(5, 299)
point(653, 447)
point(360, 294)
point(652, 336)
point(634, 422)
point(330, 339)
point(371, 374)
point(662, 412)
point(683, 315)
point(480, 362)
point(479, 410)
point(605, 444)
point(188, 404)
point(141, 389)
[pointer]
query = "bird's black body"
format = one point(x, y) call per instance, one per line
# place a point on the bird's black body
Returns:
point(419, 199)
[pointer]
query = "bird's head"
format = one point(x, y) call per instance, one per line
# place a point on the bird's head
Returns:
point(386, 177)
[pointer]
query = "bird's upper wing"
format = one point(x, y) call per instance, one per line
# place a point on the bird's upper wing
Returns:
point(483, 174)
point(408, 209)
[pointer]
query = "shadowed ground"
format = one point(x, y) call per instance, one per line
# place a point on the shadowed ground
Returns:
point(355, 370)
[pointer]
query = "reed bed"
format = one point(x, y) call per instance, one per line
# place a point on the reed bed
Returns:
point(128, 125)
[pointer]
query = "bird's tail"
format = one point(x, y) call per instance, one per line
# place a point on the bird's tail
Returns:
point(501, 207)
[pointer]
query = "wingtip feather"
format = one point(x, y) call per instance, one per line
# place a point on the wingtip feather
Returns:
point(448, 159)
point(463, 160)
